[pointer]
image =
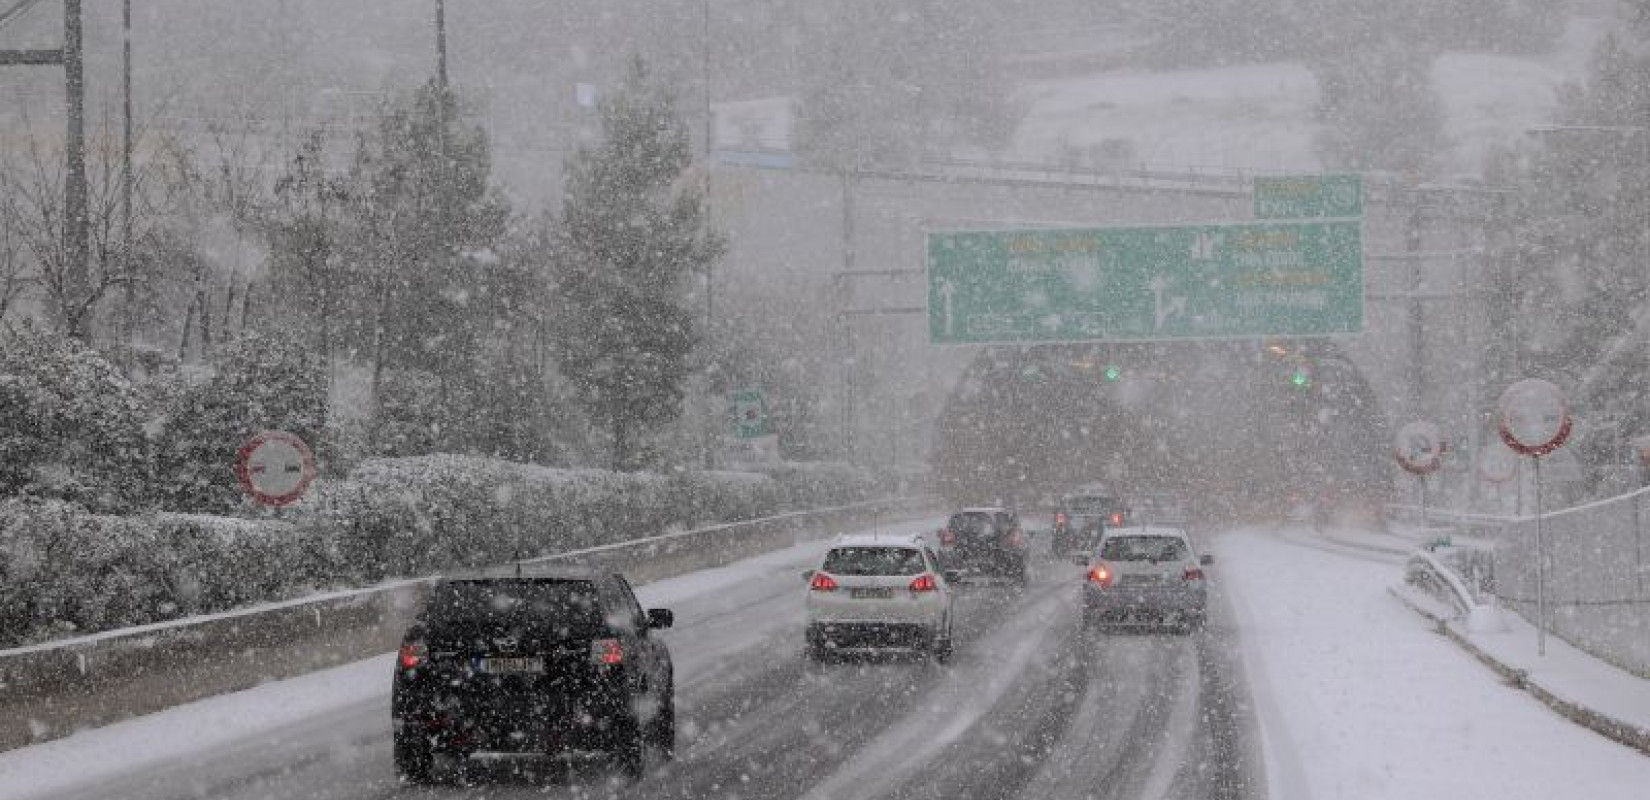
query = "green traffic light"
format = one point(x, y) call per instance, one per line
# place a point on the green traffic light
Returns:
point(1301, 378)
point(1113, 373)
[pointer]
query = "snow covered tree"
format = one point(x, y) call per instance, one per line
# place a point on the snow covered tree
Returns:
point(258, 383)
point(1379, 110)
point(70, 425)
point(1569, 287)
point(630, 239)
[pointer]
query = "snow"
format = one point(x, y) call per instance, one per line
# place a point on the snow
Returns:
point(1357, 697)
point(157, 738)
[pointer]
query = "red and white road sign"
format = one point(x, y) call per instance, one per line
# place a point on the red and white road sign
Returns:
point(1420, 447)
point(275, 467)
point(1535, 417)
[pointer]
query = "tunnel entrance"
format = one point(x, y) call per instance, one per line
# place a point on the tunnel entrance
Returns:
point(1238, 429)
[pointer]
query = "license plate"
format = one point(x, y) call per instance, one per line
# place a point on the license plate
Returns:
point(513, 666)
point(870, 594)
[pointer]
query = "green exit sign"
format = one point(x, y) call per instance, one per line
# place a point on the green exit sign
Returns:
point(1309, 197)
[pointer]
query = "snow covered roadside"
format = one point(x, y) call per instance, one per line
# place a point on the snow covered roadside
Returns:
point(90, 756)
point(1358, 698)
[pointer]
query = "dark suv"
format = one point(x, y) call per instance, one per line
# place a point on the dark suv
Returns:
point(984, 541)
point(561, 665)
point(1081, 518)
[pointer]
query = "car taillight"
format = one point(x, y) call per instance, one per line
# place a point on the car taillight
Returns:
point(925, 583)
point(1101, 574)
point(412, 655)
point(948, 536)
point(1060, 520)
point(822, 583)
point(1193, 574)
point(1016, 539)
point(607, 652)
point(1117, 520)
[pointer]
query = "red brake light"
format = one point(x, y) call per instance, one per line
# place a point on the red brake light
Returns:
point(1060, 520)
point(607, 651)
point(925, 583)
point(822, 583)
point(1101, 574)
point(1116, 520)
point(1193, 574)
point(948, 536)
point(412, 655)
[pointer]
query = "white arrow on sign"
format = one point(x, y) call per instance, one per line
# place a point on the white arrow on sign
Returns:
point(1176, 305)
point(947, 292)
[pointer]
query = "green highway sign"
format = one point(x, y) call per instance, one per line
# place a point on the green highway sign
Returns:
point(750, 414)
point(1147, 283)
point(1309, 197)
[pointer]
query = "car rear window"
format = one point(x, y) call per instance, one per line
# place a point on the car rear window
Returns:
point(972, 523)
point(1143, 548)
point(874, 561)
point(516, 603)
point(1090, 505)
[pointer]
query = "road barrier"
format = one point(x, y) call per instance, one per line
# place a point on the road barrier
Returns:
point(1598, 572)
point(52, 689)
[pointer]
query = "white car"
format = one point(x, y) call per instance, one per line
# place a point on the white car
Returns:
point(873, 593)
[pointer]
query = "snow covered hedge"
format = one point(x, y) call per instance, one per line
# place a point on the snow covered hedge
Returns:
point(66, 571)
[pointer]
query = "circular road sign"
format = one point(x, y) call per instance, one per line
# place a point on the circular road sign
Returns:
point(1535, 417)
point(1497, 464)
point(275, 467)
point(1420, 448)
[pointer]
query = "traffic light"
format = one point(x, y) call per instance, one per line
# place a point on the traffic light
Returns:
point(1112, 373)
point(1300, 377)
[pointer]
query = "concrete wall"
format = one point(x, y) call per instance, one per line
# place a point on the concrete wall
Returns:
point(51, 690)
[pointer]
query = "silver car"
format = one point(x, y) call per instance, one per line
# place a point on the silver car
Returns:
point(1145, 574)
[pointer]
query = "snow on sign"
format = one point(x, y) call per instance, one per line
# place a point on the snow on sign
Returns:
point(1420, 448)
point(275, 467)
point(1535, 417)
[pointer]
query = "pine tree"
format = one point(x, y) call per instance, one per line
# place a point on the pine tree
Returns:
point(630, 239)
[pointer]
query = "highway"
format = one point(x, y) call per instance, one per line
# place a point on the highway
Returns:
point(1032, 706)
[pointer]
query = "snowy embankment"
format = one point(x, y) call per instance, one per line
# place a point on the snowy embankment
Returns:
point(1358, 697)
point(95, 756)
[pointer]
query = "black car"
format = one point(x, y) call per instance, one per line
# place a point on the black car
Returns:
point(1081, 518)
point(984, 541)
point(557, 665)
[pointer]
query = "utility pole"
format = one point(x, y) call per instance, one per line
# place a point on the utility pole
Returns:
point(441, 43)
point(76, 236)
point(126, 168)
point(1417, 336)
point(710, 266)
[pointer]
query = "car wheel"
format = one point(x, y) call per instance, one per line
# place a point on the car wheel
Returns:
point(629, 749)
point(942, 646)
point(413, 757)
point(664, 723)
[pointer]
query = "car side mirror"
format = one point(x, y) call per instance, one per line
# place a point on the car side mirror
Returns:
point(807, 575)
point(660, 618)
point(1080, 560)
point(1205, 560)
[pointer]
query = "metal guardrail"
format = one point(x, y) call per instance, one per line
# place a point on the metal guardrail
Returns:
point(48, 690)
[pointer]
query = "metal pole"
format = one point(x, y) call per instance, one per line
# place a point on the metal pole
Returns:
point(76, 232)
point(1417, 345)
point(441, 43)
point(710, 266)
point(1540, 571)
point(126, 167)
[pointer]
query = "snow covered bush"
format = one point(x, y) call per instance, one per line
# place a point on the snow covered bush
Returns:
point(70, 424)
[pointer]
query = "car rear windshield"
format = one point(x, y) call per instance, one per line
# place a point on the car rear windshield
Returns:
point(971, 523)
point(1090, 505)
point(1143, 548)
point(874, 561)
point(516, 603)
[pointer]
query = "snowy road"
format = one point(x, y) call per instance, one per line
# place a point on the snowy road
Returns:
point(1032, 707)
